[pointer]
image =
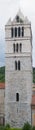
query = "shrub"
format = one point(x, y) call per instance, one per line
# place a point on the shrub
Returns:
point(27, 126)
point(7, 127)
point(1, 127)
point(33, 128)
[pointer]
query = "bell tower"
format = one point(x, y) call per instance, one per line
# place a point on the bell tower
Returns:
point(18, 72)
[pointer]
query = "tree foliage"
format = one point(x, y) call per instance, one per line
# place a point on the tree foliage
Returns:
point(2, 74)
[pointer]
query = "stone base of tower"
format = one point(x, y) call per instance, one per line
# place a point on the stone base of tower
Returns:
point(17, 114)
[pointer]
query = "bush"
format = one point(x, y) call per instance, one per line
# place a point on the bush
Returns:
point(1, 127)
point(7, 127)
point(33, 128)
point(27, 126)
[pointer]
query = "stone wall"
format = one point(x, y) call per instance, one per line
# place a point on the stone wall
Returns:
point(16, 113)
point(2, 98)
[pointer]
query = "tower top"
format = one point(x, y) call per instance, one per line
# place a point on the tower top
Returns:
point(19, 18)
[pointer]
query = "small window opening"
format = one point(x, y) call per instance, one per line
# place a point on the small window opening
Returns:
point(14, 47)
point(15, 65)
point(17, 18)
point(22, 31)
point(11, 32)
point(20, 47)
point(18, 65)
point(15, 32)
point(19, 32)
point(17, 96)
point(17, 47)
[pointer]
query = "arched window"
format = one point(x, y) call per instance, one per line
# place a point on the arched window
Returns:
point(17, 47)
point(20, 47)
point(18, 31)
point(15, 32)
point(15, 65)
point(22, 31)
point(18, 65)
point(17, 96)
point(17, 18)
point(14, 47)
point(12, 31)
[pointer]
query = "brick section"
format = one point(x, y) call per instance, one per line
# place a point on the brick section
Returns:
point(33, 100)
point(2, 85)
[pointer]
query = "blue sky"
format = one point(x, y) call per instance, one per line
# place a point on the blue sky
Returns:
point(9, 8)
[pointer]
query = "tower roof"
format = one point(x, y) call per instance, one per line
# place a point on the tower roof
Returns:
point(19, 18)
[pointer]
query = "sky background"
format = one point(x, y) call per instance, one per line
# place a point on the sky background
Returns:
point(9, 8)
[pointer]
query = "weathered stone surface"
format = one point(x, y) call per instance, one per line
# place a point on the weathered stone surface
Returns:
point(16, 113)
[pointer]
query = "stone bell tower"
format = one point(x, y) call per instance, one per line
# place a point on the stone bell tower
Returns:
point(18, 72)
